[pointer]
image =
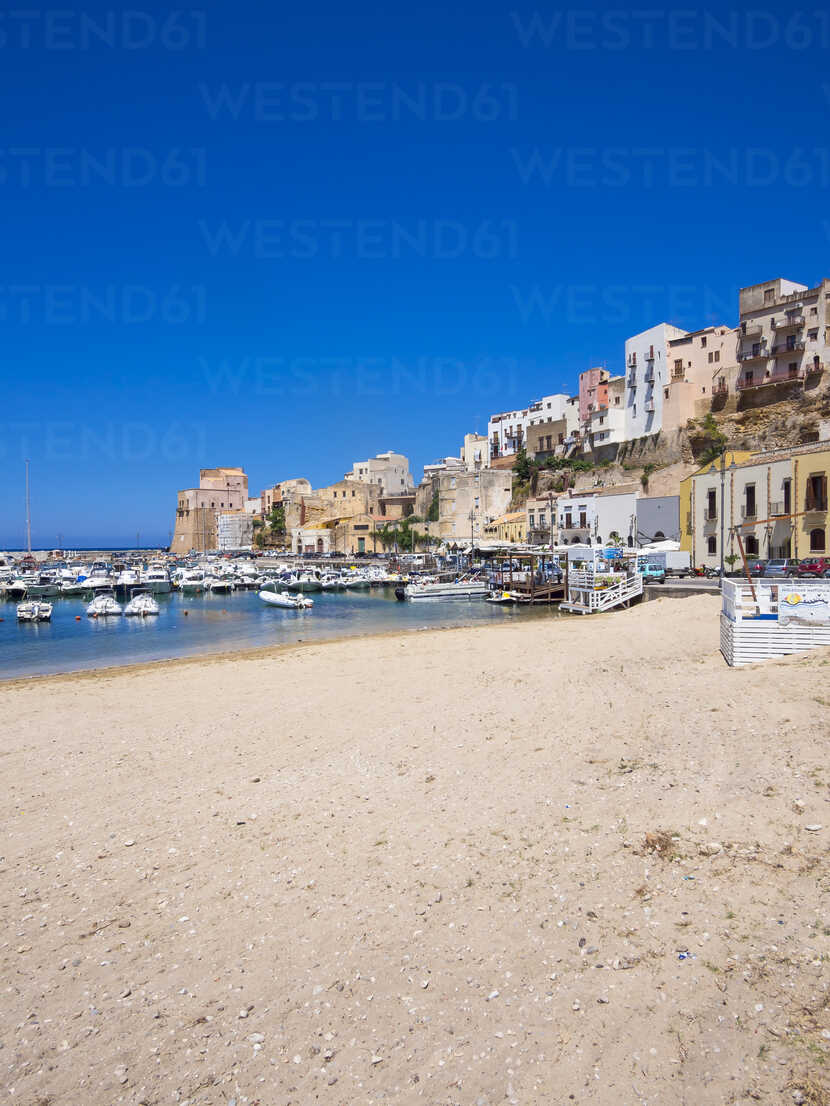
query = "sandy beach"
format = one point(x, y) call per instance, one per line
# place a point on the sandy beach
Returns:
point(568, 861)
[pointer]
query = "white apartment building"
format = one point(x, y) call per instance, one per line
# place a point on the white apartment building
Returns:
point(389, 470)
point(507, 431)
point(606, 423)
point(783, 334)
point(593, 516)
point(647, 370)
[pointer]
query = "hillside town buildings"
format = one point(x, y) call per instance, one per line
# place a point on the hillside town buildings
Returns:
point(779, 349)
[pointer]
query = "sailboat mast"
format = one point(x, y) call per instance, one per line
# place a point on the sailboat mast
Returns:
point(28, 513)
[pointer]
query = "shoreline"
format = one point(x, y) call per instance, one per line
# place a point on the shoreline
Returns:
point(257, 652)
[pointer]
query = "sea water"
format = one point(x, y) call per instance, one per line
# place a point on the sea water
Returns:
point(189, 625)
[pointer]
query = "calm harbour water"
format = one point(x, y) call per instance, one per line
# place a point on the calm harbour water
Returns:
point(221, 623)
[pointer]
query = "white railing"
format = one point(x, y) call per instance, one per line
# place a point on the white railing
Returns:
point(738, 604)
point(588, 592)
point(784, 617)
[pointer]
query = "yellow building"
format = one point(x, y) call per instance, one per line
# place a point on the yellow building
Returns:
point(511, 527)
point(810, 478)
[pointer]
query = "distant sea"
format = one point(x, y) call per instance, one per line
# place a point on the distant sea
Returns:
point(193, 625)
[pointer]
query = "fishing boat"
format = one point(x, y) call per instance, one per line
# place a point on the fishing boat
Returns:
point(452, 589)
point(286, 600)
point(34, 610)
point(142, 604)
point(103, 605)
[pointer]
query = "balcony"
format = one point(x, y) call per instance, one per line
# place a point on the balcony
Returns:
point(721, 388)
point(752, 330)
point(631, 360)
point(813, 368)
point(649, 406)
point(771, 381)
point(754, 355)
point(749, 514)
point(788, 322)
point(777, 508)
point(710, 515)
point(650, 354)
point(632, 380)
point(813, 505)
point(649, 376)
point(785, 348)
point(570, 524)
point(678, 374)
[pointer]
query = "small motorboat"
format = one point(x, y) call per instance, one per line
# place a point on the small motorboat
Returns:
point(102, 606)
point(34, 610)
point(503, 597)
point(142, 604)
point(286, 600)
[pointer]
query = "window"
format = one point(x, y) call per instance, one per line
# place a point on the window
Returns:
point(717, 355)
point(531, 519)
point(751, 546)
point(703, 343)
point(812, 335)
point(665, 393)
point(542, 518)
point(712, 544)
point(678, 365)
point(787, 497)
point(816, 498)
point(549, 441)
point(750, 501)
point(817, 540)
point(813, 311)
point(711, 504)
point(769, 295)
point(711, 358)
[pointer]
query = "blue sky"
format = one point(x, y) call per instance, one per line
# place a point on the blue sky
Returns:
point(291, 236)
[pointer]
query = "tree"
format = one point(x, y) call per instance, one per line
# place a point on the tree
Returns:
point(522, 466)
point(276, 520)
point(432, 514)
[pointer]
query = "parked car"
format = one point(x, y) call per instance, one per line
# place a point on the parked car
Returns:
point(654, 573)
point(781, 566)
point(757, 568)
point(815, 566)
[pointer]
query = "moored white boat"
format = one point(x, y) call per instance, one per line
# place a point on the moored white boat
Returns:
point(286, 600)
point(142, 604)
point(452, 589)
point(156, 579)
point(103, 606)
point(34, 610)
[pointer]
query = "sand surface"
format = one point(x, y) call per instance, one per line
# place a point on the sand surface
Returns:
point(416, 869)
